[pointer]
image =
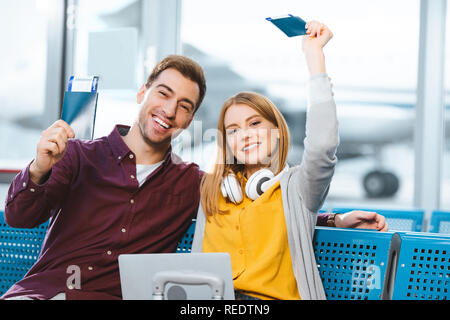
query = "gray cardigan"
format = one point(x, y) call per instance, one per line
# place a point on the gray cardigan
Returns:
point(305, 187)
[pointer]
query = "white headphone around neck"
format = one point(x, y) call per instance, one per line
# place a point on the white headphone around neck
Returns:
point(256, 185)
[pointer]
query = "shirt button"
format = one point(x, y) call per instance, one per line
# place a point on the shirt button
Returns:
point(132, 177)
point(70, 287)
point(32, 190)
point(24, 184)
point(119, 157)
point(90, 268)
point(124, 230)
point(132, 201)
point(131, 156)
point(108, 252)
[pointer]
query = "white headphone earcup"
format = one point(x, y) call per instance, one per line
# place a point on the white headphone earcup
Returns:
point(231, 188)
point(254, 187)
point(224, 190)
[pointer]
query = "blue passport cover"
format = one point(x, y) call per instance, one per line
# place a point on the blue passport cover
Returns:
point(79, 110)
point(291, 25)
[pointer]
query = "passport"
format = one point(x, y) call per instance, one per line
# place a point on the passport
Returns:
point(290, 25)
point(79, 110)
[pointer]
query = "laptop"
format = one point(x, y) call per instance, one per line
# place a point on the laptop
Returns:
point(176, 276)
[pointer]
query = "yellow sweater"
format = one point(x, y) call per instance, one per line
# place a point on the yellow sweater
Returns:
point(254, 234)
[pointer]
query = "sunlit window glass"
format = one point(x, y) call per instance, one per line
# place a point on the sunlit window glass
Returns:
point(372, 61)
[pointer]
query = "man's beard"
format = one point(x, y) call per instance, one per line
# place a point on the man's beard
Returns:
point(148, 140)
point(155, 144)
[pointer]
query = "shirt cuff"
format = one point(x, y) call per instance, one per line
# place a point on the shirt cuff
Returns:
point(319, 89)
point(322, 220)
point(23, 184)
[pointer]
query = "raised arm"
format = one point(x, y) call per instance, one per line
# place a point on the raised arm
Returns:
point(317, 37)
point(319, 156)
point(41, 186)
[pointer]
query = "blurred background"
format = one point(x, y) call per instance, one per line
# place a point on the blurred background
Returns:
point(388, 62)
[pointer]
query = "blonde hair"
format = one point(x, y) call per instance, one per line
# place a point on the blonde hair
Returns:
point(226, 163)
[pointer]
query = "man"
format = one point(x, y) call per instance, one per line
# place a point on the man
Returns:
point(123, 193)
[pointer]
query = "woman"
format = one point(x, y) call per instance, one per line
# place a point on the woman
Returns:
point(256, 208)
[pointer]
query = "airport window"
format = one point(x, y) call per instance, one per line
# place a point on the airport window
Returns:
point(119, 41)
point(23, 62)
point(445, 182)
point(373, 67)
point(105, 37)
point(22, 88)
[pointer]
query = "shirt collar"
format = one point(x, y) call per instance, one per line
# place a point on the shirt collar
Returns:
point(118, 146)
point(120, 149)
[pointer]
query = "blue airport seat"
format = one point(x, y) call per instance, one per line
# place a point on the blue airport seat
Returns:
point(19, 250)
point(440, 222)
point(398, 220)
point(185, 244)
point(353, 263)
point(423, 267)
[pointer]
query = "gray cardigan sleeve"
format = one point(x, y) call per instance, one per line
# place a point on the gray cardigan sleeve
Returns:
point(305, 187)
point(322, 139)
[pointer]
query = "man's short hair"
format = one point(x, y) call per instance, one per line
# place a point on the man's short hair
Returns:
point(187, 67)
